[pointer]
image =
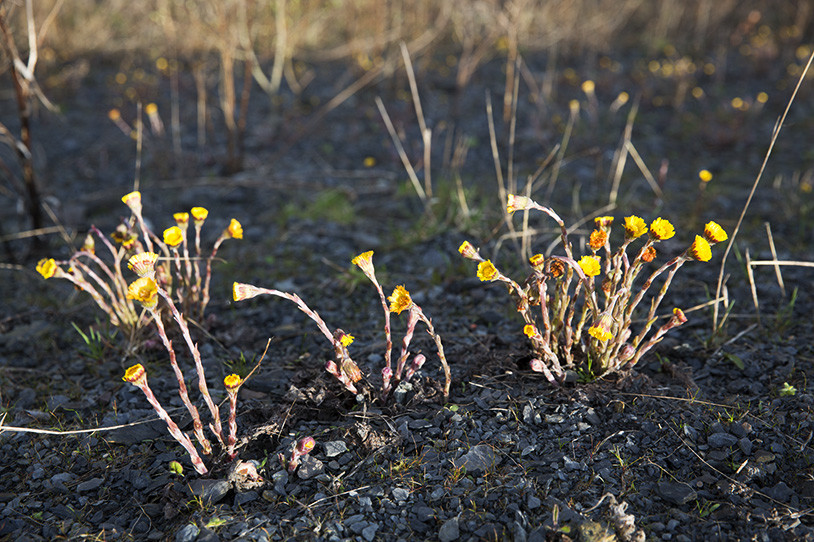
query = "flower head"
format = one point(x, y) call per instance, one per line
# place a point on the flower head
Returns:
point(635, 227)
point(136, 375)
point(705, 175)
point(649, 254)
point(714, 233)
point(234, 230)
point(530, 331)
point(400, 299)
point(590, 265)
point(145, 291)
point(537, 260)
point(173, 236)
point(516, 203)
point(122, 234)
point(598, 239)
point(143, 263)
point(700, 249)
point(344, 338)
point(556, 268)
point(133, 200)
point(487, 271)
point(365, 262)
point(241, 291)
point(603, 222)
point(181, 220)
point(601, 330)
point(468, 251)
point(661, 229)
point(199, 214)
point(678, 316)
point(89, 245)
point(47, 268)
point(305, 445)
point(232, 382)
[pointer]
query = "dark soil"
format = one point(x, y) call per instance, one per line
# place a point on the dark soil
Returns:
point(696, 443)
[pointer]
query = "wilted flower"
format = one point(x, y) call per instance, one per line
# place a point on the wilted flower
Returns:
point(241, 291)
point(590, 265)
point(516, 203)
point(400, 299)
point(145, 291)
point(365, 262)
point(143, 263)
point(234, 230)
point(635, 226)
point(487, 271)
point(133, 200)
point(700, 249)
point(537, 260)
point(649, 254)
point(598, 239)
point(173, 236)
point(199, 214)
point(467, 250)
point(556, 268)
point(714, 233)
point(661, 229)
point(47, 268)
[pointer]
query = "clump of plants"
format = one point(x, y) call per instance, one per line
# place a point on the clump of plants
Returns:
point(579, 312)
point(343, 368)
point(177, 264)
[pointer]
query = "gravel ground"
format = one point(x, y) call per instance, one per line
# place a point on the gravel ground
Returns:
point(696, 444)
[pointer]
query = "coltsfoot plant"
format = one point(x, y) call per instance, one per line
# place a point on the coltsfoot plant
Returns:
point(177, 272)
point(584, 326)
point(343, 367)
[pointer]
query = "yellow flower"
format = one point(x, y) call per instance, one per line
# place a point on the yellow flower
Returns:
point(467, 250)
point(143, 263)
point(145, 291)
point(661, 229)
point(678, 316)
point(232, 382)
point(705, 175)
point(714, 233)
point(365, 262)
point(47, 268)
point(589, 265)
point(136, 375)
point(598, 239)
point(235, 230)
point(151, 108)
point(173, 236)
point(346, 339)
point(516, 203)
point(487, 271)
point(133, 200)
point(537, 260)
point(400, 299)
point(700, 250)
point(199, 214)
point(603, 222)
point(601, 329)
point(181, 220)
point(242, 291)
point(89, 245)
point(634, 226)
point(530, 331)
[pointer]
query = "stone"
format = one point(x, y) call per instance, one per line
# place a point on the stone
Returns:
point(722, 440)
point(449, 531)
point(210, 491)
point(675, 493)
point(187, 533)
point(480, 458)
point(334, 448)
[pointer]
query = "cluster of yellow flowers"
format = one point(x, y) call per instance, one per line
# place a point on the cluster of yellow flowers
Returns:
point(569, 299)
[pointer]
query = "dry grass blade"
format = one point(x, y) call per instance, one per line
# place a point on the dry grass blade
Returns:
point(405, 161)
point(752, 286)
point(775, 134)
point(774, 257)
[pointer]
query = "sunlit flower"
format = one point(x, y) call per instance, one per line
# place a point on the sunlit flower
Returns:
point(400, 299)
point(589, 265)
point(530, 331)
point(346, 339)
point(143, 263)
point(232, 382)
point(181, 220)
point(145, 291)
point(598, 239)
point(661, 229)
point(487, 271)
point(588, 87)
point(537, 260)
point(365, 262)
point(234, 230)
point(47, 268)
point(714, 233)
point(603, 222)
point(241, 291)
point(649, 254)
point(467, 250)
point(136, 375)
point(173, 236)
point(635, 227)
point(705, 175)
point(516, 203)
point(305, 445)
point(124, 236)
point(601, 329)
point(133, 200)
point(199, 214)
point(700, 249)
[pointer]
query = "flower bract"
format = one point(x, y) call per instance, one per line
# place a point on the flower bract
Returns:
point(589, 265)
point(181, 220)
point(700, 249)
point(241, 291)
point(516, 203)
point(133, 200)
point(635, 226)
point(487, 271)
point(661, 229)
point(467, 250)
point(400, 299)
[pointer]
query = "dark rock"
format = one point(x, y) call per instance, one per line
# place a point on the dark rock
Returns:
point(675, 493)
